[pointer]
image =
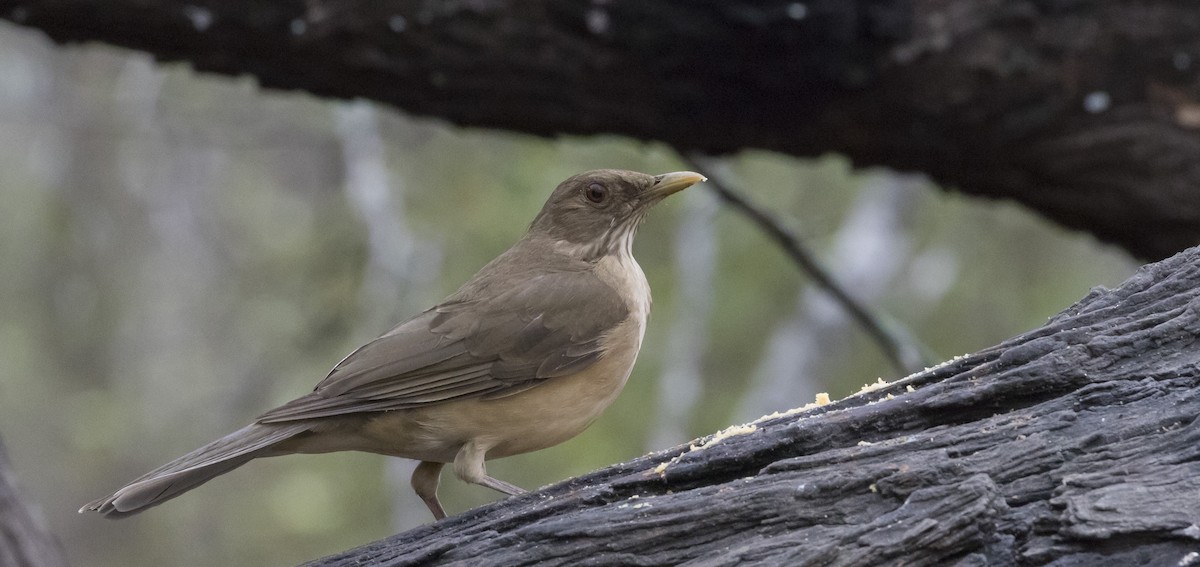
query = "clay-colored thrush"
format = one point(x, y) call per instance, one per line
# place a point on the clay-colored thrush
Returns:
point(523, 356)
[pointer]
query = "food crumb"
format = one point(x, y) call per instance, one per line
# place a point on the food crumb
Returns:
point(877, 384)
point(731, 431)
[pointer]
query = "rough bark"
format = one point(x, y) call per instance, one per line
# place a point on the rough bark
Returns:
point(1085, 110)
point(1074, 444)
point(23, 541)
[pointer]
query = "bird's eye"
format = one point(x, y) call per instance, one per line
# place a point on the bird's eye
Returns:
point(596, 193)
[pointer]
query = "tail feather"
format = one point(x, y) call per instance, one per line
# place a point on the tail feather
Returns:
point(195, 468)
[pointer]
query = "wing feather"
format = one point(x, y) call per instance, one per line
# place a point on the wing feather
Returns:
point(482, 345)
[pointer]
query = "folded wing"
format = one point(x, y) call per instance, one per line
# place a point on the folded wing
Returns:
point(551, 325)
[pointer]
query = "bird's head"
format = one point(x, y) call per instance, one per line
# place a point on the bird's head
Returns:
point(600, 210)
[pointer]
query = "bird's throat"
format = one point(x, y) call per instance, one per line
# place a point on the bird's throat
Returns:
point(617, 241)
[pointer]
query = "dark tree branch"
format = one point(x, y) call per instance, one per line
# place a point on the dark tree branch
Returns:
point(23, 541)
point(1085, 111)
point(1077, 443)
point(904, 357)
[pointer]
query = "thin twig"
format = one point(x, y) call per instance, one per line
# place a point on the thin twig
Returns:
point(903, 356)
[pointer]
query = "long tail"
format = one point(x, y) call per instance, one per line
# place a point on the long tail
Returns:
point(195, 468)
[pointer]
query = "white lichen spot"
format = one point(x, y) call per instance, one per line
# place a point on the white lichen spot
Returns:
point(909, 388)
point(597, 21)
point(873, 488)
point(297, 26)
point(201, 18)
point(1192, 558)
point(1096, 102)
point(939, 365)
point(865, 443)
point(906, 54)
point(398, 23)
point(822, 399)
point(1188, 116)
point(1181, 60)
point(797, 11)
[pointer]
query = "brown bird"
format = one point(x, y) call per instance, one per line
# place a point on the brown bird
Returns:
point(523, 356)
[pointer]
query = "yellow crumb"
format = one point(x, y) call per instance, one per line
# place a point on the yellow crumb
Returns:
point(822, 398)
point(877, 384)
point(731, 431)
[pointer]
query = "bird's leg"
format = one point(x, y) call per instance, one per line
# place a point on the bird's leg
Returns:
point(425, 483)
point(468, 466)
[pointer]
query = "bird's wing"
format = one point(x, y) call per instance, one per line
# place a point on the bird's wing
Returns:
point(552, 324)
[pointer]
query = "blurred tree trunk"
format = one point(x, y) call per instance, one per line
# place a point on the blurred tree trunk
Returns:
point(23, 541)
point(1086, 111)
point(1074, 444)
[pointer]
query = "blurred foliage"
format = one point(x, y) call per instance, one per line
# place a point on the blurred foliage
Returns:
point(180, 254)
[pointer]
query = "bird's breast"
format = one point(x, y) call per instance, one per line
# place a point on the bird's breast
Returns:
point(623, 274)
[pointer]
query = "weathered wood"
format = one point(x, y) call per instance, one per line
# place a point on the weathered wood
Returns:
point(1086, 111)
point(23, 540)
point(1074, 444)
